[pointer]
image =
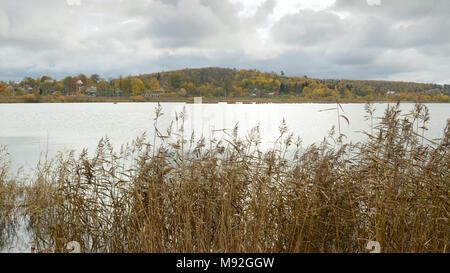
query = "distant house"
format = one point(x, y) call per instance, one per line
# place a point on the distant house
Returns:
point(152, 94)
point(434, 91)
point(390, 92)
point(155, 94)
point(91, 91)
point(254, 92)
point(79, 84)
point(29, 90)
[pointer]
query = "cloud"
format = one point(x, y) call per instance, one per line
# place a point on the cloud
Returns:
point(185, 24)
point(357, 39)
point(73, 2)
point(405, 38)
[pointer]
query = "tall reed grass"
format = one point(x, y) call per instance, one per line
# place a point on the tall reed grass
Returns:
point(181, 193)
point(10, 193)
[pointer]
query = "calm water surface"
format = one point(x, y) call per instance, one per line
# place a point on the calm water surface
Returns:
point(29, 130)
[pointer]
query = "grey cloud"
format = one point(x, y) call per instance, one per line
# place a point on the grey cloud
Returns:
point(412, 33)
point(263, 11)
point(398, 40)
point(186, 24)
point(308, 28)
point(4, 23)
point(401, 23)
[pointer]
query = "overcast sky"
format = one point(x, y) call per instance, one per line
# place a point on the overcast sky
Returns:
point(405, 40)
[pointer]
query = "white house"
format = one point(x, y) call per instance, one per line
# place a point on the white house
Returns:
point(91, 91)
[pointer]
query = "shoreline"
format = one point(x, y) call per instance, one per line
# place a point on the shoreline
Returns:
point(5, 100)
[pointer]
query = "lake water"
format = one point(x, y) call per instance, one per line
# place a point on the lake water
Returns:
point(31, 129)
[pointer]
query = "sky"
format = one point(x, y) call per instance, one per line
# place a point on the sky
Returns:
point(405, 40)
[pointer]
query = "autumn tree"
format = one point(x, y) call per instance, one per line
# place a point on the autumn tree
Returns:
point(84, 79)
point(137, 86)
point(3, 89)
point(30, 81)
point(59, 86)
point(95, 78)
point(69, 85)
point(175, 81)
point(154, 85)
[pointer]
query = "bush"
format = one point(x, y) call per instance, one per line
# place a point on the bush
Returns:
point(138, 99)
point(30, 98)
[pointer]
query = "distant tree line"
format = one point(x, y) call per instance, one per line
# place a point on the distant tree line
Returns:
point(224, 82)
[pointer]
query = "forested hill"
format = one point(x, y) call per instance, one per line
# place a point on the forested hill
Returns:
point(224, 82)
point(241, 83)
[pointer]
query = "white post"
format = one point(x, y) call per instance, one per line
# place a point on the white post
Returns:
point(197, 100)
